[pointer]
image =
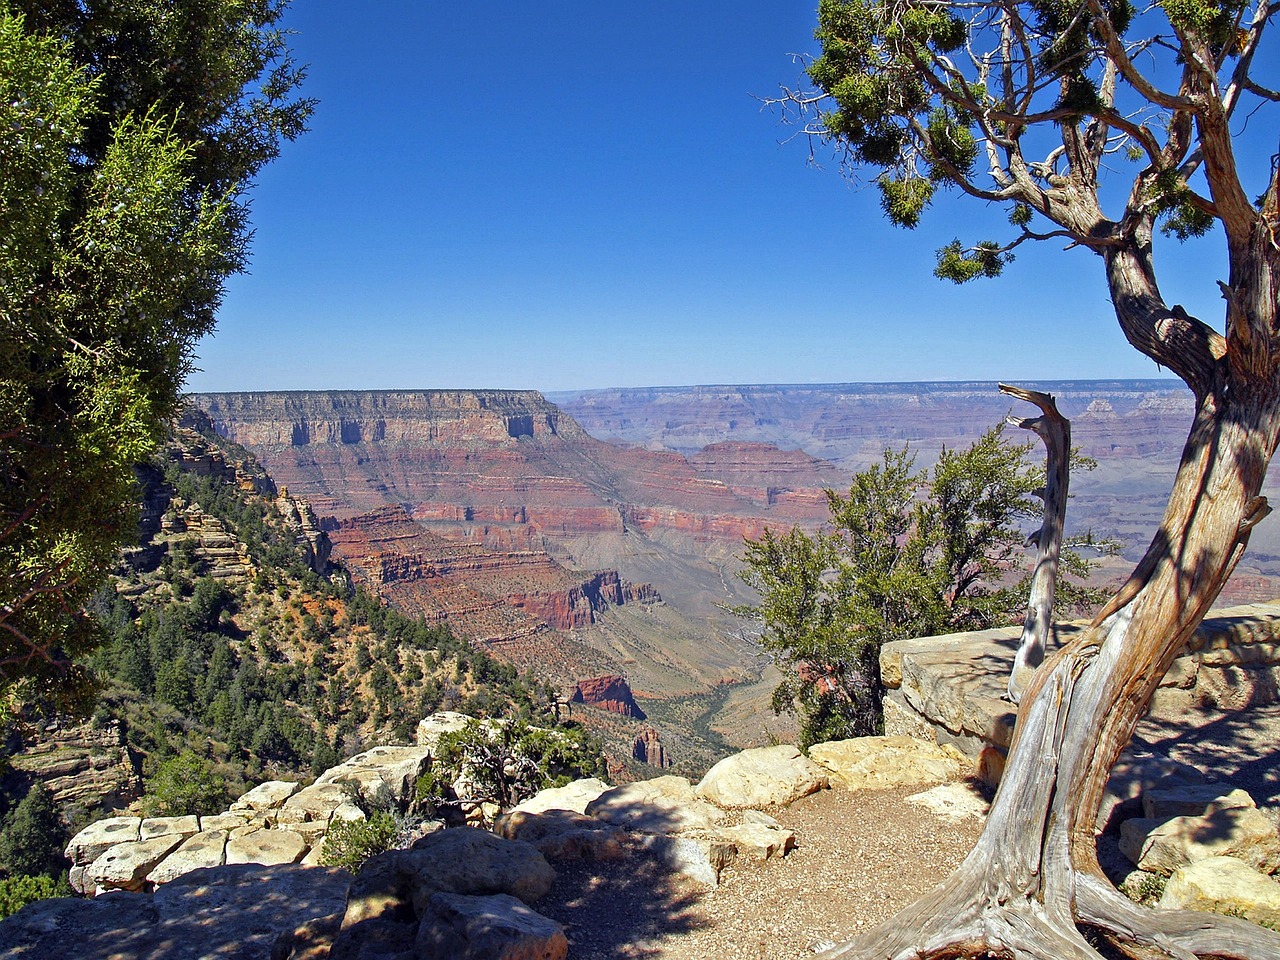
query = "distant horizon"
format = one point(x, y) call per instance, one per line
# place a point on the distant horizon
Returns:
point(1171, 380)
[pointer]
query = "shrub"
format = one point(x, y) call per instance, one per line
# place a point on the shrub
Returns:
point(349, 843)
point(17, 892)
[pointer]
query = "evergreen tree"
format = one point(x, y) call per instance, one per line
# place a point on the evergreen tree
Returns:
point(33, 836)
point(128, 135)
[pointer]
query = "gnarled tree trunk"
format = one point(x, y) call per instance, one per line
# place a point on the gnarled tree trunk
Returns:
point(1033, 882)
point(1055, 430)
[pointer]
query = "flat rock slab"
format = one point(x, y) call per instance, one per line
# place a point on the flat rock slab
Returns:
point(267, 847)
point(98, 837)
point(1193, 800)
point(126, 865)
point(206, 849)
point(955, 801)
point(760, 842)
point(224, 912)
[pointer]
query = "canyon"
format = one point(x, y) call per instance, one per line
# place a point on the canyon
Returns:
point(598, 535)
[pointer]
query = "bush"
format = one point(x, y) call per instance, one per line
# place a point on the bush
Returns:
point(17, 892)
point(349, 843)
point(185, 784)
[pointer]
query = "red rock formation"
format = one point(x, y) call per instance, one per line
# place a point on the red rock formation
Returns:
point(648, 748)
point(610, 693)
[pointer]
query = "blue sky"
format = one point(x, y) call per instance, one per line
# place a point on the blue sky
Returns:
point(572, 195)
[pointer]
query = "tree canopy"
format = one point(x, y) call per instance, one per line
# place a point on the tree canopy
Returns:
point(129, 134)
point(905, 554)
point(1096, 124)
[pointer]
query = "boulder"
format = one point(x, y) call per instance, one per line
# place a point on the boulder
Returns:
point(764, 776)
point(700, 859)
point(463, 860)
point(877, 763)
point(1134, 774)
point(266, 796)
point(314, 803)
point(95, 839)
point(1162, 846)
point(1224, 885)
point(381, 771)
point(205, 849)
point(126, 865)
point(572, 796)
point(267, 847)
point(758, 841)
point(664, 805)
point(497, 927)
point(563, 834)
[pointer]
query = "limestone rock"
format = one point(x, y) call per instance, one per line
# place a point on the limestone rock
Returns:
point(125, 866)
point(956, 801)
point(563, 834)
point(1224, 885)
point(700, 859)
point(163, 826)
point(267, 847)
point(1162, 846)
point(463, 860)
point(665, 805)
point(572, 796)
point(762, 776)
point(1192, 800)
point(98, 837)
point(314, 803)
point(480, 928)
point(1135, 774)
point(206, 849)
point(876, 763)
point(226, 821)
point(758, 841)
point(431, 729)
point(382, 769)
point(231, 912)
point(266, 796)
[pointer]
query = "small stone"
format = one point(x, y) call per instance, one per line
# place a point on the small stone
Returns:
point(1162, 846)
point(760, 842)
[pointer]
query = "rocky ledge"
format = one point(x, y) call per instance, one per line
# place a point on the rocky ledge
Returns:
point(473, 892)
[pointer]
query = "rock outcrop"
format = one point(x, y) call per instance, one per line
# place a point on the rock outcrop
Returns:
point(648, 748)
point(82, 765)
point(610, 693)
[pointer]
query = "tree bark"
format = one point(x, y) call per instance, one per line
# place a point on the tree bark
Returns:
point(1034, 874)
point(1032, 881)
point(1055, 430)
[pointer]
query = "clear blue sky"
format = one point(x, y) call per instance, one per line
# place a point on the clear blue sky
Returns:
point(572, 195)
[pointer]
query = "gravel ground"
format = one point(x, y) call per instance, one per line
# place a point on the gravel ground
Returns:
point(860, 856)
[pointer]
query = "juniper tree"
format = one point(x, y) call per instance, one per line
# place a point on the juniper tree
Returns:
point(1027, 105)
point(129, 132)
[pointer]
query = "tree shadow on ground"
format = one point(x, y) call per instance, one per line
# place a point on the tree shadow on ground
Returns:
point(626, 907)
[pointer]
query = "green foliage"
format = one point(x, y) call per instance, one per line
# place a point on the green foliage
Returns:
point(17, 892)
point(904, 201)
point(907, 554)
point(349, 843)
point(126, 137)
point(33, 836)
point(185, 784)
point(506, 762)
point(960, 265)
point(1171, 199)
